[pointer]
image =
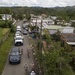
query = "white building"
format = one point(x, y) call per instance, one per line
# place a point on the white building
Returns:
point(67, 30)
point(49, 21)
point(6, 17)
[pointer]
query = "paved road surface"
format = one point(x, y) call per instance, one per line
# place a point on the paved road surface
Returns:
point(19, 68)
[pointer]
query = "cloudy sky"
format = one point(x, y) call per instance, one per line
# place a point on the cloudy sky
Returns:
point(41, 3)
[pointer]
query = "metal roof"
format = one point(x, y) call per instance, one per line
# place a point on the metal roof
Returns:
point(71, 43)
point(53, 27)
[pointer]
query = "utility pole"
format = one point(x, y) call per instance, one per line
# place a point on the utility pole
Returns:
point(36, 30)
point(40, 48)
point(41, 31)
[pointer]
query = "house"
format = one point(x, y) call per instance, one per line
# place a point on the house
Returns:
point(53, 17)
point(52, 31)
point(48, 21)
point(36, 21)
point(68, 38)
point(72, 21)
point(6, 17)
point(67, 24)
point(53, 28)
point(60, 22)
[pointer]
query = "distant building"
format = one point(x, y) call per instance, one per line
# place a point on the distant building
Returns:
point(48, 21)
point(6, 16)
point(54, 27)
point(72, 23)
point(60, 22)
point(67, 30)
point(68, 38)
point(52, 31)
point(53, 17)
point(67, 24)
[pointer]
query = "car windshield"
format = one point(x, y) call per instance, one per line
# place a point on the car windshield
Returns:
point(14, 53)
point(18, 39)
point(24, 31)
point(17, 31)
point(14, 57)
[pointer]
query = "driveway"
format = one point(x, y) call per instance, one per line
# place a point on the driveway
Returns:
point(18, 69)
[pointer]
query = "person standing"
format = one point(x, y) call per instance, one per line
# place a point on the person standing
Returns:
point(32, 73)
point(26, 67)
point(32, 66)
point(28, 53)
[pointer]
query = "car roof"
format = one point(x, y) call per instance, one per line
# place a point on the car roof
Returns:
point(18, 32)
point(19, 36)
point(18, 26)
point(15, 49)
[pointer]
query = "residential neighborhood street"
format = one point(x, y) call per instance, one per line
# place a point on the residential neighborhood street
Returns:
point(37, 37)
point(18, 69)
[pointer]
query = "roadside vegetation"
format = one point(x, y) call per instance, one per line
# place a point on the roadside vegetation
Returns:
point(6, 41)
point(58, 59)
point(7, 24)
point(3, 32)
point(4, 51)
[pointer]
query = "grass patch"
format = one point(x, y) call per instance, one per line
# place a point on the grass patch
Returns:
point(3, 31)
point(4, 50)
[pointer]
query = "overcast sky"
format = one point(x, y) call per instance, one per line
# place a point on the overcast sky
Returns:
point(41, 3)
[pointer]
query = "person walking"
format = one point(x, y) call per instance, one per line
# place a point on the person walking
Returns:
point(28, 53)
point(32, 66)
point(26, 67)
point(22, 51)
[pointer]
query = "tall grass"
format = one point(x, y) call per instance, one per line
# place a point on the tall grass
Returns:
point(4, 50)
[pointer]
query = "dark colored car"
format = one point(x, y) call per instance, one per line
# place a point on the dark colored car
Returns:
point(15, 55)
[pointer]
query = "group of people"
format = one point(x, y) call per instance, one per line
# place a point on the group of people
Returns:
point(32, 66)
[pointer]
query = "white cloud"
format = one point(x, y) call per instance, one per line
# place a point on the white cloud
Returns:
point(42, 3)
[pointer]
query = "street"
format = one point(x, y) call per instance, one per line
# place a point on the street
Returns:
point(18, 69)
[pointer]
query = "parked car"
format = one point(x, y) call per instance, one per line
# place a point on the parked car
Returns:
point(25, 32)
point(18, 40)
point(18, 33)
point(15, 55)
point(26, 28)
point(18, 28)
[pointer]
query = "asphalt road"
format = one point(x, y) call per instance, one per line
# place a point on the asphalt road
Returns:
point(18, 69)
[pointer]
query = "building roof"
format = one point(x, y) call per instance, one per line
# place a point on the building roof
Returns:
point(67, 29)
point(53, 27)
point(71, 43)
point(72, 20)
point(52, 31)
point(69, 37)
